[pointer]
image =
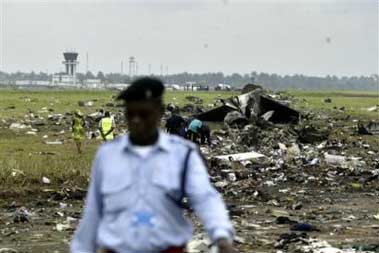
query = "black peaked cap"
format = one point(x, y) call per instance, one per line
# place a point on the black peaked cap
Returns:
point(143, 89)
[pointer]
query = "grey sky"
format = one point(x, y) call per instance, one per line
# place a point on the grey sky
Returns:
point(336, 37)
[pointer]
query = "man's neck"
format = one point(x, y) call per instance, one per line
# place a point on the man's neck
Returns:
point(148, 140)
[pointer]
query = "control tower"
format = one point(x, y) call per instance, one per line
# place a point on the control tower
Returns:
point(71, 63)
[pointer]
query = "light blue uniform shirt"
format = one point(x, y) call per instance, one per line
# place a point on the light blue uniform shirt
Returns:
point(127, 206)
point(195, 125)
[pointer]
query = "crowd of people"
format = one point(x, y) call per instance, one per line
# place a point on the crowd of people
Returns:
point(192, 129)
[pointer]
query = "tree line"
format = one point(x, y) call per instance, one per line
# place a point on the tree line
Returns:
point(270, 81)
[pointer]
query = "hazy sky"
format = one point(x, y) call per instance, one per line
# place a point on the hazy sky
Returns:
point(336, 37)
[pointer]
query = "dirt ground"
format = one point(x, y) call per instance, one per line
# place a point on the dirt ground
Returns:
point(345, 220)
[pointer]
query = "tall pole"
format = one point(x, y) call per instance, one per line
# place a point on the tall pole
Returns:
point(86, 62)
point(130, 66)
point(122, 67)
point(2, 34)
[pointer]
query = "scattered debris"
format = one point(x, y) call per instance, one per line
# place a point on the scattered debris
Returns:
point(291, 172)
point(253, 103)
point(21, 215)
point(250, 87)
point(371, 128)
point(305, 227)
point(236, 119)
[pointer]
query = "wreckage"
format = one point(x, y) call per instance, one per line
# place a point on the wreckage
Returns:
point(252, 104)
point(371, 128)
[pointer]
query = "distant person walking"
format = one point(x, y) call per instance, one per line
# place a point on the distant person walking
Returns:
point(107, 127)
point(78, 129)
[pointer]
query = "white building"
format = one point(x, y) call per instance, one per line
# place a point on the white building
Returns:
point(222, 86)
point(93, 84)
point(63, 79)
point(117, 86)
point(32, 82)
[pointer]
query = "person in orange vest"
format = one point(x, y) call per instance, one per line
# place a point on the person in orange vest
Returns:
point(107, 127)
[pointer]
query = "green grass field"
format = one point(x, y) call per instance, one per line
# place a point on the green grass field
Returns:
point(25, 159)
point(67, 100)
point(355, 103)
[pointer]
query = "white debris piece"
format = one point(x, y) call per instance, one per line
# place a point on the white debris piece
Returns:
point(314, 161)
point(232, 177)
point(7, 250)
point(16, 172)
point(267, 116)
point(269, 183)
point(198, 244)
point(317, 246)
point(221, 184)
point(373, 108)
point(322, 145)
point(334, 159)
point(18, 126)
point(62, 205)
point(54, 142)
point(294, 150)
point(62, 227)
point(43, 110)
point(86, 103)
point(45, 180)
point(240, 156)
point(282, 147)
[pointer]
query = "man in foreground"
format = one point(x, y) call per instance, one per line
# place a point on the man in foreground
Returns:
point(138, 183)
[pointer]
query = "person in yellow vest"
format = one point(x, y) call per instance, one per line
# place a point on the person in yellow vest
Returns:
point(78, 129)
point(106, 127)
